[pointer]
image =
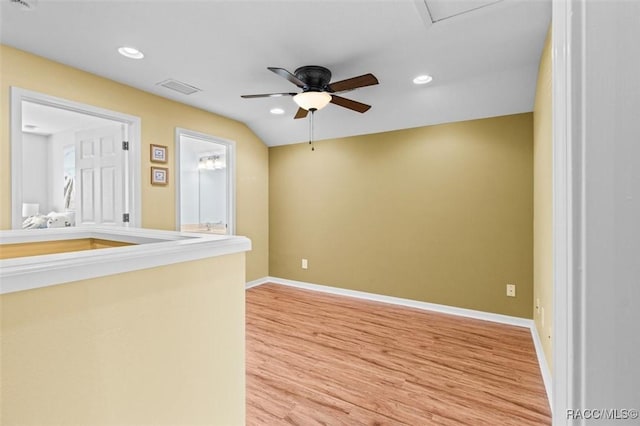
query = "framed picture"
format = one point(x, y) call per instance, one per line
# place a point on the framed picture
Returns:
point(158, 154)
point(159, 176)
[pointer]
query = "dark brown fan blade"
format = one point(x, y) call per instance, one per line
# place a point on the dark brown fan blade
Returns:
point(353, 83)
point(286, 74)
point(302, 113)
point(267, 95)
point(348, 103)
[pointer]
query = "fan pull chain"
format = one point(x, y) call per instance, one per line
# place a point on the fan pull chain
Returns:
point(312, 110)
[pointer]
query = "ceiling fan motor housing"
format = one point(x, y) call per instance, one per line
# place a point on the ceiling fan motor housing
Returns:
point(315, 77)
point(317, 89)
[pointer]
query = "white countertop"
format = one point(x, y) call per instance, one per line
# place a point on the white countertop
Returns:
point(151, 248)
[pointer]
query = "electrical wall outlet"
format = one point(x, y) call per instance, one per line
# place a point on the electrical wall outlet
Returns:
point(305, 264)
point(511, 290)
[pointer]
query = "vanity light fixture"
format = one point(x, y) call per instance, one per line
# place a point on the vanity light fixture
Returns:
point(130, 52)
point(422, 79)
point(211, 162)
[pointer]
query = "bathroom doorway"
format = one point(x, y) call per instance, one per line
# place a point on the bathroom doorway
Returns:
point(206, 183)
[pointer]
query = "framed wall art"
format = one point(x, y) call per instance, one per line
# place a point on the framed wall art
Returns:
point(159, 176)
point(158, 153)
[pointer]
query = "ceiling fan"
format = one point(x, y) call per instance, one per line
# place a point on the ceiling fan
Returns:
point(317, 91)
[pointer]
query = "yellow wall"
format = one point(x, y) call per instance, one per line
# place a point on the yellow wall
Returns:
point(542, 202)
point(441, 214)
point(161, 346)
point(159, 117)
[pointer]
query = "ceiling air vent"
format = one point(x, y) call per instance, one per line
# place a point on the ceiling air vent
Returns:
point(179, 86)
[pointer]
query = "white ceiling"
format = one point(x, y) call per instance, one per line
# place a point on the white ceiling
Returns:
point(49, 120)
point(483, 55)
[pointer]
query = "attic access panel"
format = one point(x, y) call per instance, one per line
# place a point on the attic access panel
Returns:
point(444, 9)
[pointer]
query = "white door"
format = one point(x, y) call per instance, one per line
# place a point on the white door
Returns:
point(99, 175)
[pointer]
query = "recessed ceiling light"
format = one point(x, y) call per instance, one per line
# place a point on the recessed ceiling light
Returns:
point(422, 79)
point(277, 111)
point(130, 52)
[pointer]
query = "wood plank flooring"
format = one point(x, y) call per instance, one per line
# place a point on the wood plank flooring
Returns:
point(314, 358)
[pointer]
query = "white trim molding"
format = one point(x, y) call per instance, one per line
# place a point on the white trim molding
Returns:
point(150, 248)
point(256, 283)
point(452, 310)
point(544, 365)
point(562, 221)
point(426, 306)
point(596, 205)
point(230, 172)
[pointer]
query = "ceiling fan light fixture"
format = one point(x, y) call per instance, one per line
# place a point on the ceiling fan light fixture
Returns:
point(312, 100)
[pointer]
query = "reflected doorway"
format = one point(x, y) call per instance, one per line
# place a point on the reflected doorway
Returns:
point(205, 199)
point(72, 163)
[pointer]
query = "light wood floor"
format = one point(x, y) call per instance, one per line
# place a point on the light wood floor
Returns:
point(314, 358)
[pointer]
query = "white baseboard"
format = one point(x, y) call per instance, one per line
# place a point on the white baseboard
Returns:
point(468, 313)
point(256, 283)
point(542, 362)
point(451, 310)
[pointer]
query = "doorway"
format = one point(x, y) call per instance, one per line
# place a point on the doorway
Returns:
point(72, 164)
point(206, 183)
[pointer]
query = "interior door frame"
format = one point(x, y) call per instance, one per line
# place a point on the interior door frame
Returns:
point(231, 173)
point(131, 165)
